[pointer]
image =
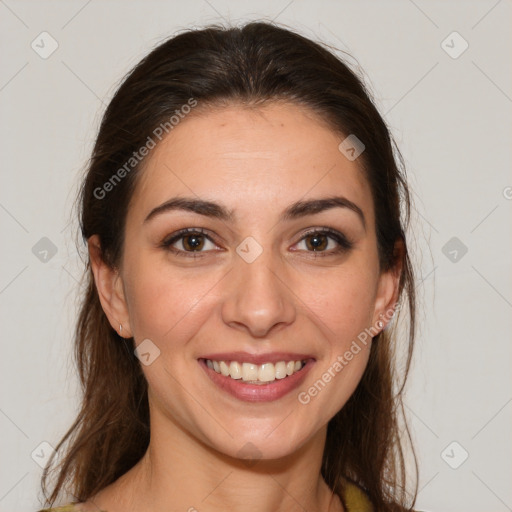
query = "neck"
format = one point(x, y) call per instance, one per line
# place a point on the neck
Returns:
point(182, 473)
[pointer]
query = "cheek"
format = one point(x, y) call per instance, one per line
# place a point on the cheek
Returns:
point(343, 313)
point(166, 304)
point(343, 301)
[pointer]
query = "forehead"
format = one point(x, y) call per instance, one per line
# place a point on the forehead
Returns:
point(258, 159)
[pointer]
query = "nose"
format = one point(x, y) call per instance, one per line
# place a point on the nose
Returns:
point(258, 298)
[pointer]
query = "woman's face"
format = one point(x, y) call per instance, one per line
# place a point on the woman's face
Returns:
point(250, 287)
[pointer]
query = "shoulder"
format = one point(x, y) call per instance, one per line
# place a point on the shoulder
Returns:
point(64, 508)
point(70, 507)
point(355, 499)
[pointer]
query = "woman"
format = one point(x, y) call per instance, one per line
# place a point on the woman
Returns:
point(245, 219)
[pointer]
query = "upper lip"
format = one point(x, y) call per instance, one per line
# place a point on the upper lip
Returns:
point(246, 357)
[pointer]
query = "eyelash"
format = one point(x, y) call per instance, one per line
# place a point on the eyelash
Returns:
point(344, 244)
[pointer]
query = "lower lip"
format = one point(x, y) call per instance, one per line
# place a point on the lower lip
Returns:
point(258, 392)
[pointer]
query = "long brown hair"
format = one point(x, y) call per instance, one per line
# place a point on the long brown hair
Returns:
point(252, 64)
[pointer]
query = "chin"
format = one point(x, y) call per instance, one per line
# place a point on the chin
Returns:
point(267, 443)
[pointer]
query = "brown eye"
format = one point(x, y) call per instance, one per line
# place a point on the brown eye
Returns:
point(317, 242)
point(325, 242)
point(193, 242)
point(188, 242)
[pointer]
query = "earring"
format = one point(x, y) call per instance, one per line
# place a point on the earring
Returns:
point(380, 323)
point(120, 329)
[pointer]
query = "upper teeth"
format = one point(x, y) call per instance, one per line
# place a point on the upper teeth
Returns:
point(266, 372)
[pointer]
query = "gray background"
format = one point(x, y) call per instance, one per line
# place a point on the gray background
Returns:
point(450, 115)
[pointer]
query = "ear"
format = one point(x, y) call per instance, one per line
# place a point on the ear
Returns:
point(388, 289)
point(109, 285)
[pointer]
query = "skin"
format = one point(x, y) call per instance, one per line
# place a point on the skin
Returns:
point(256, 162)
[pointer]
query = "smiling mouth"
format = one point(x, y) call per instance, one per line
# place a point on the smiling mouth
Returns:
point(250, 373)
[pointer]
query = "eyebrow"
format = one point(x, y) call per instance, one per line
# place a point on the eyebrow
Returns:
point(218, 211)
